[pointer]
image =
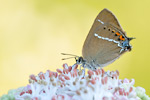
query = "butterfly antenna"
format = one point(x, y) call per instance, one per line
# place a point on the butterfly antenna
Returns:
point(69, 54)
point(67, 58)
point(131, 38)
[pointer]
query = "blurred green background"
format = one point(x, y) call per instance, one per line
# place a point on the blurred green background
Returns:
point(33, 33)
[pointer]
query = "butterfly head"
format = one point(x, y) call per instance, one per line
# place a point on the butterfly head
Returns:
point(79, 60)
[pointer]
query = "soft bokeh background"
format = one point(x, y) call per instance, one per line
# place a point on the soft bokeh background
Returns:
point(33, 33)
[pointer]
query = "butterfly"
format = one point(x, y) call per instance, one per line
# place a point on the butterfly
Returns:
point(105, 43)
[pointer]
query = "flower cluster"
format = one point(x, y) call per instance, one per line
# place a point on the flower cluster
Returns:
point(71, 83)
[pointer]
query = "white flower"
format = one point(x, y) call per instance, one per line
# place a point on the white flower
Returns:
point(71, 83)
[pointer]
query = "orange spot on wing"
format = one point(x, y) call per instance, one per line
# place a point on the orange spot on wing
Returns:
point(117, 33)
point(121, 37)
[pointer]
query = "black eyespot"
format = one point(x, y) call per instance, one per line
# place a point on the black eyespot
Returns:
point(122, 36)
point(128, 47)
point(118, 39)
point(104, 27)
point(115, 34)
point(109, 29)
point(113, 31)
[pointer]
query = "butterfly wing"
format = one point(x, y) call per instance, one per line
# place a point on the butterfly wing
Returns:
point(105, 16)
point(101, 45)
